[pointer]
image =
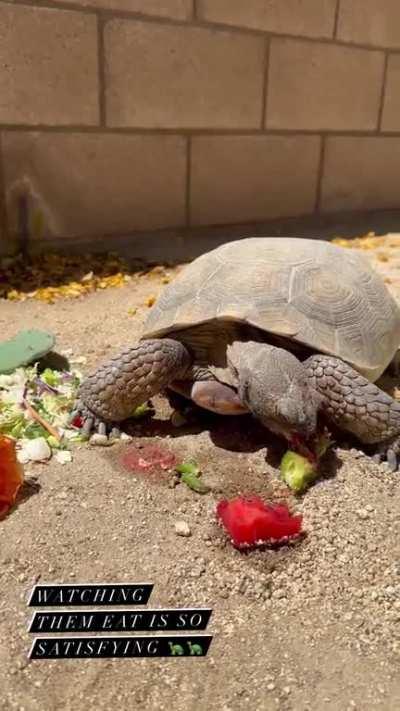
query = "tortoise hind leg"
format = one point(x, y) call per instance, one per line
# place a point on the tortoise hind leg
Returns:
point(117, 387)
point(356, 405)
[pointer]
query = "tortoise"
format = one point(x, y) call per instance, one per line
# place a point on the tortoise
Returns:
point(285, 328)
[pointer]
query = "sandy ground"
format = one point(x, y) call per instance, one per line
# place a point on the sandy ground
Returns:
point(310, 626)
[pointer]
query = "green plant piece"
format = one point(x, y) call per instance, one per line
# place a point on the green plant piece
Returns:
point(53, 442)
point(27, 347)
point(141, 411)
point(51, 377)
point(34, 430)
point(297, 471)
point(12, 422)
point(190, 474)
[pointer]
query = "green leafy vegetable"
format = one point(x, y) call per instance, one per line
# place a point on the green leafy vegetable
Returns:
point(53, 442)
point(35, 430)
point(24, 386)
point(77, 438)
point(51, 377)
point(12, 420)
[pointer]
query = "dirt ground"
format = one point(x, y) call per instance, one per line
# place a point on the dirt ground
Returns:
point(311, 626)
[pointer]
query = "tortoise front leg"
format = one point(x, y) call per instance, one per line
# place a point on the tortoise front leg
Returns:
point(117, 387)
point(356, 405)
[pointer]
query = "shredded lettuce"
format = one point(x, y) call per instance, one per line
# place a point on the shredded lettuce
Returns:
point(53, 404)
point(12, 420)
point(51, 377)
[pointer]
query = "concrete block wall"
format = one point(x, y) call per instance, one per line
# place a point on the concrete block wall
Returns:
point(119, 116)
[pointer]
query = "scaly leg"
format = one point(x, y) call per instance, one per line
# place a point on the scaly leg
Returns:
point(118, 386)
point(356, 405)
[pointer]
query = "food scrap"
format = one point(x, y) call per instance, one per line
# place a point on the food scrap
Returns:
point(251, 522)
point(35, 407)
point(148, 459)
point(299, 471)
point(142, 411)
point(190, 473)
point(11, 474)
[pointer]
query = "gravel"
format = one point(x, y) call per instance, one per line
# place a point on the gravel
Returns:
point(182, 529)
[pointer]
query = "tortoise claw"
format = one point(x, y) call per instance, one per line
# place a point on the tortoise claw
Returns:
point(391, 459)
point(389, 452)
point(92, 424)
point(88, 425)
point(102, 428)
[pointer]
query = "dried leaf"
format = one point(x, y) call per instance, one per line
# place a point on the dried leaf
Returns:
point(382, 257)
point(52, 276)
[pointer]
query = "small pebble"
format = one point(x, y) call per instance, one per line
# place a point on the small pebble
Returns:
point(36, 450)
point(279, 594)
point(100, 440)
point(362, 513)
point(182, 529)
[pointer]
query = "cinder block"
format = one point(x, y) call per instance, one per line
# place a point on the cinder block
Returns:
point(309, 18)
point(361, 173)
point(250, 178)
point(160, 76)
point(314, 85)
point(176, 9)
point(391, 106)
point(48, 61)
point(85, 184)
point(375, 22)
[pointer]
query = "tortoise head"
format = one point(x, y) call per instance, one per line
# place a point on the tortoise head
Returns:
point(273, 385)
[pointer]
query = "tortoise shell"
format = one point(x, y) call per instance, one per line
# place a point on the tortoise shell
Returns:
point(315, 293)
